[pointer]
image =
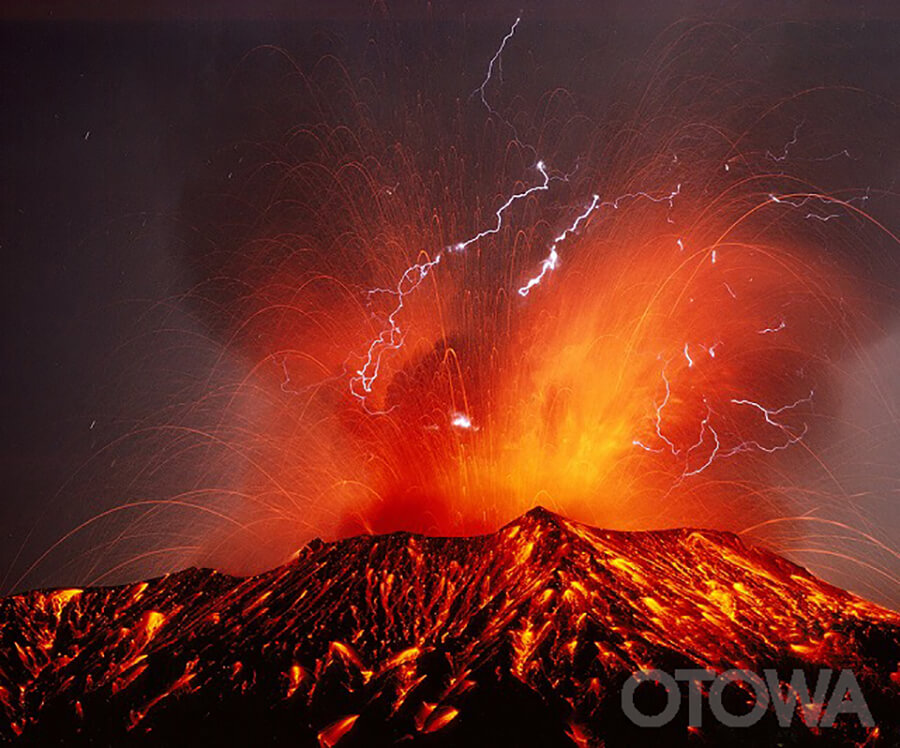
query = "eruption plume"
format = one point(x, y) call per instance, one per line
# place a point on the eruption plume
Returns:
point(440, 313)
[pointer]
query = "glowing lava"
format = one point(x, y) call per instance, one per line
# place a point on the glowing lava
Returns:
point(524, 636)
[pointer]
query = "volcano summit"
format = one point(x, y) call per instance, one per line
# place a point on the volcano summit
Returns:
point(522, 637)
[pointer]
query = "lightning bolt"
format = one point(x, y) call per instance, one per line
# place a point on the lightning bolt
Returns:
point(392, 336)
point(769, 416)
point(787, 146)
point(822, 199)
point(551, 262)
point(781, 325)
point(716, 451)
point(482, 89)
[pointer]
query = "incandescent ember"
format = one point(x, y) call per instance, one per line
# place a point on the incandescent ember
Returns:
point(522, 637)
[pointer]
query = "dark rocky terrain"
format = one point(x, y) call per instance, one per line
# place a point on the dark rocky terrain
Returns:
point(522, 637)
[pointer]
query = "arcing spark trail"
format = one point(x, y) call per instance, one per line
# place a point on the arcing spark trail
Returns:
point(709, 444)
point(391, 338)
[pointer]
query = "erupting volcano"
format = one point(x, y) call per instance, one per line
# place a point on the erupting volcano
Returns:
point(425, 291)
point(521, 637)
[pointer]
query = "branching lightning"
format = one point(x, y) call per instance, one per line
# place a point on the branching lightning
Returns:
point(769, 416)
point(716, 450)
point(821, 199)
point(551, 262)
point(711, 441)
point(787, 146)
point(391, 338)
point(482, 89)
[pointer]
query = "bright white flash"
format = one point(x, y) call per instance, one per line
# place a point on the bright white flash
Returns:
point(552, 260)
point(462, 421)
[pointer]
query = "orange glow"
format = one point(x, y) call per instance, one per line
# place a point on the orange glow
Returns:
point(569, 414)
point(333, 733)
point(682, 364)
point(440, 718)
point(152, 621)
point(544, 601)
point(296, 675)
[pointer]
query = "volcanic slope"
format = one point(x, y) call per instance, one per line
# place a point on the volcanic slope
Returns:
point(522, 637)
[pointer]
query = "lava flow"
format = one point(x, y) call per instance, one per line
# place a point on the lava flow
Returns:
point(524, 636)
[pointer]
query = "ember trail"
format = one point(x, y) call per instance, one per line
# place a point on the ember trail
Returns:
point(647, 357)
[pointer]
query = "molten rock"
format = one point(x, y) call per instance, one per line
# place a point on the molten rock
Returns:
point(523, 637)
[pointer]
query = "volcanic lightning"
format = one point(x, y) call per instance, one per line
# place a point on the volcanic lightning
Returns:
point(392, 337)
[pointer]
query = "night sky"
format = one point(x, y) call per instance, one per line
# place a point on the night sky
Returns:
point(117, 124)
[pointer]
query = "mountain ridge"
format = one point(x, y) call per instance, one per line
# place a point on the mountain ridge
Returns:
point(528, 631)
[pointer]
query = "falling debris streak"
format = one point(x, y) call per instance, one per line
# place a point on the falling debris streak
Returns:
point(392, 337)
point(358, 629)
